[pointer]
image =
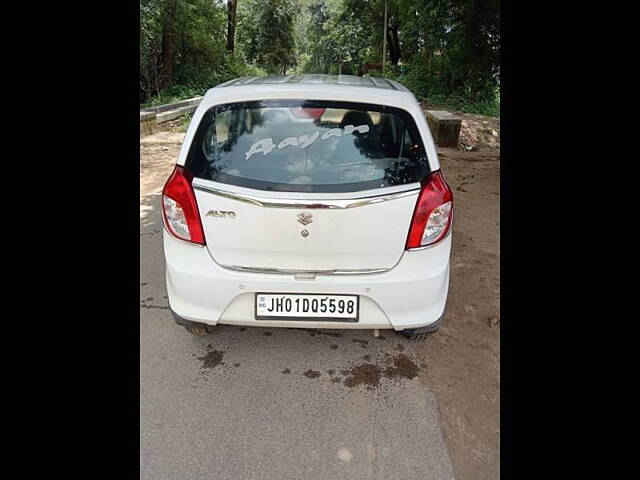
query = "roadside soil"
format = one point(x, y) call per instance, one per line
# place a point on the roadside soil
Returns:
point(462, 360)
point(158, 154)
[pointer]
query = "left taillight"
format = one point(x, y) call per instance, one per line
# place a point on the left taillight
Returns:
point(180, 209)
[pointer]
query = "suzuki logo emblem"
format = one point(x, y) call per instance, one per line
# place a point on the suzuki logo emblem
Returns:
point(305, 218)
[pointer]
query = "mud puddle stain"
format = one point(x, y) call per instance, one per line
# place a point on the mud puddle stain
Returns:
point(370, 375)
point(366, 374)
point(212, 359)
point(403, 367)
point(311, 374)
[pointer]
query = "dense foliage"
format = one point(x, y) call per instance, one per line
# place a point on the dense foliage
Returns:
point(183, 49)
point(267, 33)
point(445, 51)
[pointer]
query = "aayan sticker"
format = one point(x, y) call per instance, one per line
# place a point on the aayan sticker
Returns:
point(266, 145)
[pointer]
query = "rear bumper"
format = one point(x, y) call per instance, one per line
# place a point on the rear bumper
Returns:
point(411, 295)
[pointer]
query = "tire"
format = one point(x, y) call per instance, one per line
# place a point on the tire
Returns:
point(415, 337)
point(420, 334)
point(197, 330)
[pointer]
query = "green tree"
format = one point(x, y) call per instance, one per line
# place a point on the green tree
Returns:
point(453, 43)
point(183, 48)
point(150, 47)
point(168, 50)
point(339, 35)
point(267, 33)
point(438, 48)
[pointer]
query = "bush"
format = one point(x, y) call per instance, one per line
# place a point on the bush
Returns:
point(431, 87)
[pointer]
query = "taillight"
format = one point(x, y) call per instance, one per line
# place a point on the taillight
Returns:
point(434, 211)
point(179, 207)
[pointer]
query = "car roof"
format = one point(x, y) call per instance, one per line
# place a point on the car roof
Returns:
point(318, 80)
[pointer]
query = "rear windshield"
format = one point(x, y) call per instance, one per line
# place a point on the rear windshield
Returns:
point(308, 146)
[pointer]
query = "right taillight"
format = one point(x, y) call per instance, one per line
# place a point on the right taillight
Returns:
point(180, 209)
point(434, 210)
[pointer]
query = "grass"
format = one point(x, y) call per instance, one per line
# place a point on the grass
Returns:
point(489, 107)
point(427, 90)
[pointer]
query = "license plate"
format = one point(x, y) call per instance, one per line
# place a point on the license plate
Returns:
point(292, 306)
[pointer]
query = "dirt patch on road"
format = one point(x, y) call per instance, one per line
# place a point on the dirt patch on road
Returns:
point(311, 374)
point(212, 359)
point(403, 367)
point(366, 374)
point(158, 155)
point(369, 375)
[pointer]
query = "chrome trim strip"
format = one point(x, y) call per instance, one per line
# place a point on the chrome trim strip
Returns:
point(332, 204)
point(301, 272)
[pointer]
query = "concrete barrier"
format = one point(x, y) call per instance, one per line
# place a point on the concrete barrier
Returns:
point(151, 118)
point(148, 124)
point(167, 115)
point(445, 127)
point(173, 106)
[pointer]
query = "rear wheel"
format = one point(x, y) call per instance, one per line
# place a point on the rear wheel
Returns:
point(415, 337)
point(420, 334)
point(195, 328)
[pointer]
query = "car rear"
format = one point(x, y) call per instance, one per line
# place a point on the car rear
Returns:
point(308, 205)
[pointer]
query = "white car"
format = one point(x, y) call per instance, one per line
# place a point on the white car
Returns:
point(308, 201)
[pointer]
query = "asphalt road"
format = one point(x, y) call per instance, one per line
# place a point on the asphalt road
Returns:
point(263, 403)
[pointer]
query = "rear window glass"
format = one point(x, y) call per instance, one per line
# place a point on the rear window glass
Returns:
point(308, 146)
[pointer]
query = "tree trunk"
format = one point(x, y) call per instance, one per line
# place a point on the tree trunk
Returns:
point(384, 38)
point(394, 45)
point(168, 44)
point(231, 24)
